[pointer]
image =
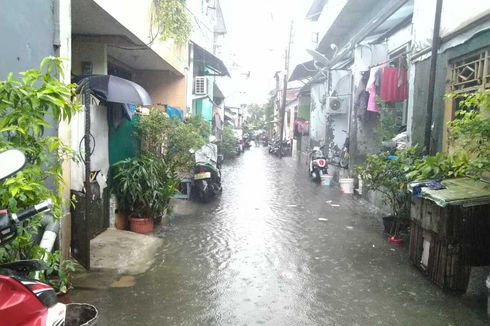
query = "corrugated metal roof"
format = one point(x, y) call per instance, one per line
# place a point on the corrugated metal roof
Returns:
point(459, 192)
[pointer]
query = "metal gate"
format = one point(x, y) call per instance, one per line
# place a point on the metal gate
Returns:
point(86, 225)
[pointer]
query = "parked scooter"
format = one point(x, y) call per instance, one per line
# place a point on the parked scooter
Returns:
point(207, 172)
point(317, 163)
point(286, 147)
point(340, 157)
point(247, 141)
point(238, 147)
point(265, 140)
point(274, 147)
point(25, 301)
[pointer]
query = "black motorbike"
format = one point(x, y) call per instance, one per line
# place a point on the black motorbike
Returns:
point(207, 173)
point(274, 147)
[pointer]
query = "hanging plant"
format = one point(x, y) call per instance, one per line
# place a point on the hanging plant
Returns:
point(172, 20)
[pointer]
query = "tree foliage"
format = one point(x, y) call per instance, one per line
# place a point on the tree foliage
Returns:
point(256, 116)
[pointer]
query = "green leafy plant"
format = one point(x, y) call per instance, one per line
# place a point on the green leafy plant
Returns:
point(143, 185)
point(172, 20)
point(152, 131)
point(59, 272)
point(440, 165)
point(228, 143)
point(200, 125)
point(27, 104)
point(469, 135)
point(181, 138)
point(390, 177)
point(470, 131)
point(388, 125)
point(171, 138)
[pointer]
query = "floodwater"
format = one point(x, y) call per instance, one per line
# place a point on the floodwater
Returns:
point(259, 255)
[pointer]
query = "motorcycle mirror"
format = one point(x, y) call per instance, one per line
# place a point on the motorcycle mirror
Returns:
point(12, 161)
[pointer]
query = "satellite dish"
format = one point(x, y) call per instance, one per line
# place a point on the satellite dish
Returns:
point(318, 65)
point(317, 56)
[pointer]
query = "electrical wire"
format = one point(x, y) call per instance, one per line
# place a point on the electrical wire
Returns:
point(82, 157)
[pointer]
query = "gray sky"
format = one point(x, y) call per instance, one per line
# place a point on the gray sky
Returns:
point(257, 36)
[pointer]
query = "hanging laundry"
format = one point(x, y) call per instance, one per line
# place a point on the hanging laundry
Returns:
point(394, 86)
point(361, 95)
point(371, 89)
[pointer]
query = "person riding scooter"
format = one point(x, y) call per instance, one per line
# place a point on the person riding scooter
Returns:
point(317, 163)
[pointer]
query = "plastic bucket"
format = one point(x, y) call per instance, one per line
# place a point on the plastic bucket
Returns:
point(326, 180)
point(347, 185)
point(80, 314)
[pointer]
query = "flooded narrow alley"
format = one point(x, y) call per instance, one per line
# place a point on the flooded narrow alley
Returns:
point(272, 250)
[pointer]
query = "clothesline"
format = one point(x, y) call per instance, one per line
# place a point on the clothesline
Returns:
point(398, 57)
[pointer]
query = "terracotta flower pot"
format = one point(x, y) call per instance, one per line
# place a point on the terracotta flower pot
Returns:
point(141, 225)
point(121, 220)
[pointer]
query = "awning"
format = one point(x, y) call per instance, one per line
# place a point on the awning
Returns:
point(210, 60)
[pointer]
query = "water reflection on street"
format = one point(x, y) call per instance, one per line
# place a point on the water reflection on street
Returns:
point(260, 255)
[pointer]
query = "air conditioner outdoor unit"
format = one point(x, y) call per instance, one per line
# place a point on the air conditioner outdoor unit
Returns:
point(337, 104)
point(200, 85)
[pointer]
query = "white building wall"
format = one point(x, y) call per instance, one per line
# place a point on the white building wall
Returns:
point(203, 19)
point(136, 17)
point(400, 38)
point(318, 117)
point(455, 15)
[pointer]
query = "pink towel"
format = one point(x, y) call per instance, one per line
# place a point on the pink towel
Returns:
point(371, 89)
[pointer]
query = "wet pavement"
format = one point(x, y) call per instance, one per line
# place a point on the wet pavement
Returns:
point(274, 251)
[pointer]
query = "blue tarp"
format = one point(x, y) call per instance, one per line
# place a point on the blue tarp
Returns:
point(175, 112)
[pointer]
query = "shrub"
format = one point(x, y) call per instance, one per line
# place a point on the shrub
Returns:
point(389, 176)
point(228, 143)
point(26, 106)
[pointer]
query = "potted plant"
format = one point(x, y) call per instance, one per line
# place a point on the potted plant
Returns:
point(143, 186)
point(388, 175)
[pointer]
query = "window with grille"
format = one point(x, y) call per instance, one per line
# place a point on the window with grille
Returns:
point(471, 72)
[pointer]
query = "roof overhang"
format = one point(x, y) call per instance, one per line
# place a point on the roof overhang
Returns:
point(315, 10)
point(205, 58)
point(91, 23)
point(367, 16)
